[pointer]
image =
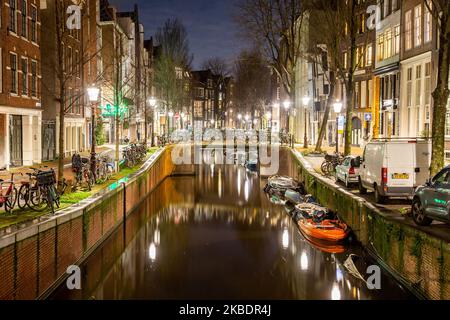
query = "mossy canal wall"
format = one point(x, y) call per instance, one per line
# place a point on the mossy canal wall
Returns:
point(34, 259)
point(417, 258)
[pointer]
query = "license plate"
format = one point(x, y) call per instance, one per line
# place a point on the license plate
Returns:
point(400, 176)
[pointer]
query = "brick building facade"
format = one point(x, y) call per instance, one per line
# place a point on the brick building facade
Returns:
point(20, 83)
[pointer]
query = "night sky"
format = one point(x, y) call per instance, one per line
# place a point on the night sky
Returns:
point(209, 24)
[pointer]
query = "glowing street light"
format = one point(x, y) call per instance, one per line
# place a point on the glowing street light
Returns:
point(306, 101)
point(287, 105)
point(152, 102)
point(93, 94)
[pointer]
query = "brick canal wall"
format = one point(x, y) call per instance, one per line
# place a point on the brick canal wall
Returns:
point(34, 259)
point(420, 259)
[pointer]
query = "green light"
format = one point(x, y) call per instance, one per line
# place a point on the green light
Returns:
point(112, 111)
point(439, 201)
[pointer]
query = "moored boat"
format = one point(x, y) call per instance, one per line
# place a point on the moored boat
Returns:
point(328, 230)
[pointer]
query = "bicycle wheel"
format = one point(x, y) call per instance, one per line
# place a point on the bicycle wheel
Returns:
point(37, 201)
point(324, 168)
point(23, 197)
point(49, 197)
point(10, 201)
point(331, 168)
point(55, 195)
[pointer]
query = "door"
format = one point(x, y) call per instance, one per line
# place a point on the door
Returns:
point(437, 196)
point(48, 141)
point(15, 141)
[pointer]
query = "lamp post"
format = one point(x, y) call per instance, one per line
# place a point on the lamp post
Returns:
point(152, 101)
point(93, 94)
point(170, 114)
point(337, 109)
point(287, 106)
point(306, 100)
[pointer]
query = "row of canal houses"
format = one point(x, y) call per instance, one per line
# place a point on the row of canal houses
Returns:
point(107, 49)
point(395, 76)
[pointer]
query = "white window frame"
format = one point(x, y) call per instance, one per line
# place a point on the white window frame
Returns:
point(418, 26)
point(16, 74)
point(26, 76)
point(408, 30)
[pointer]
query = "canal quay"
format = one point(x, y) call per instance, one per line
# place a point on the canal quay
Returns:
point(209, 231)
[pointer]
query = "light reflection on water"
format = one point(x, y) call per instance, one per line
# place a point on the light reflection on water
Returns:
point(210, 240)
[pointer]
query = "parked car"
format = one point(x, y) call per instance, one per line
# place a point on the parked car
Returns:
point(394, 168)
point(348, 171)
point(432, 200)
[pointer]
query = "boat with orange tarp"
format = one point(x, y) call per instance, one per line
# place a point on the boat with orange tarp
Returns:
point(328, 230)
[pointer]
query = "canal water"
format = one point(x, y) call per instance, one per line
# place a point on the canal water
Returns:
point(215, 235)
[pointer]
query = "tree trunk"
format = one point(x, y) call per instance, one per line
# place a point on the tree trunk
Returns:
point(441, 95)
point(348, 118)
point(350, 83)
point(62, 91)
point(326, 116)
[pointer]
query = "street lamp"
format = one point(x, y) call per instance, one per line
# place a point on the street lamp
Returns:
point(337, 109)
point(305, 101)
point(287, 106)
point(152, 102)
point(93, 94)
point(170, 114)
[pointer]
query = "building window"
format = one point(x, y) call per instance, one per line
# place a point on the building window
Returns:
point(428, 23)
point(24, 18)
point(418, 90)
point(408, 30)
point(409, 88)
point(33, 24)
point(388, 44)
point(418, 25)
point(380, 48)
point(24, 76)
point(34, 78)
point(395, 5)
point(397, 40)
point(12, 16)
point(70, 60)
point(369, 55)
point(447, 123)
point(1, 68)
point(13, 64)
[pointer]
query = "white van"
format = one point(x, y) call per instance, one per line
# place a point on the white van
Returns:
point(394, 168)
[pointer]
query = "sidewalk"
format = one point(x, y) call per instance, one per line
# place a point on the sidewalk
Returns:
point(356, 151)
point(68, 174)
point(396, 209)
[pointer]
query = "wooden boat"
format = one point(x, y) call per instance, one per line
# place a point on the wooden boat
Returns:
point(328, 230)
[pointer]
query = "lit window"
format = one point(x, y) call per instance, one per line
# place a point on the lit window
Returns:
point(418, 25)
point(428, 23)
point(408, 30)
point(397, 40)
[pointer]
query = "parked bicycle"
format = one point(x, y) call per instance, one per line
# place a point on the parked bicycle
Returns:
point(331, 162)
point(134, 154)
point(105, 169)
point(83, 174)
point(8, 194)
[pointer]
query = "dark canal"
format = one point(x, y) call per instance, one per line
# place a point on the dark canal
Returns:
point(216, 236)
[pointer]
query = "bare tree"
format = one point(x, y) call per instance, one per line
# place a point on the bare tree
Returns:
point(173, 60)
point(66, 71)
point(218, 67)
point(440, 10)
point(275, 26)
point(252, 86)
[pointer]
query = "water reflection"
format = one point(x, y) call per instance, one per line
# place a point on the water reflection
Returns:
point(194, 241)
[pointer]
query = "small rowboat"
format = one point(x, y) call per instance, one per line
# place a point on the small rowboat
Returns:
point(328, 230)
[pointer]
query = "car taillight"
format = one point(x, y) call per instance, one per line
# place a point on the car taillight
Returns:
point(352, 170)
point(384, 175)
